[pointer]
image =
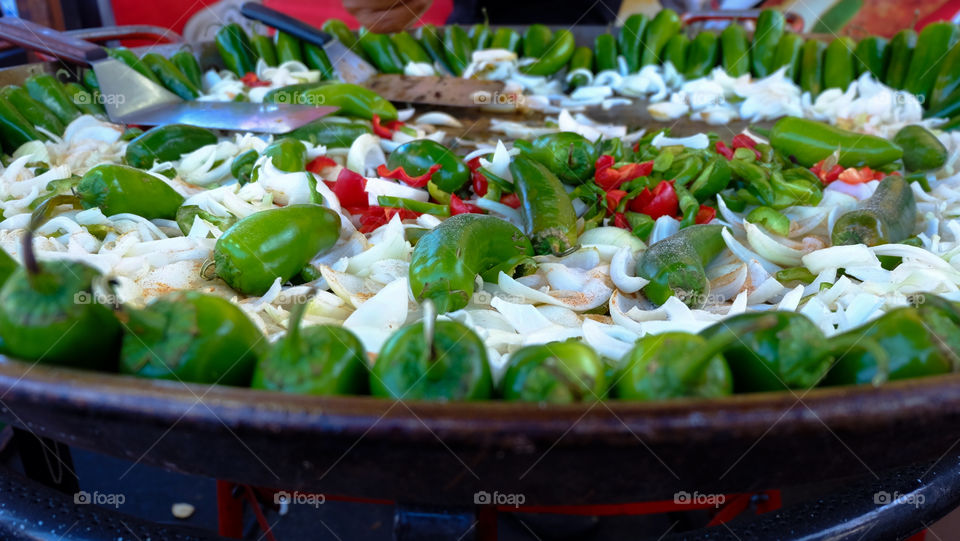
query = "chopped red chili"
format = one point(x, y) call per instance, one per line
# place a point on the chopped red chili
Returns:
point(318, 164)
point(705, 214)
point(609, 178)
point(251, 80)
point(511, 200)
point(459, 206)
point(374, 217)
point(351, 189)
point(723, 150)
point(400, 174)
point(662, 201)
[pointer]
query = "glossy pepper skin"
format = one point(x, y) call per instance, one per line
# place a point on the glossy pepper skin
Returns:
point(187, 213)
point(918, 341)
point(331, 132)
point(838, 66)
point(872, 55)
point(15, 130)
point(947, 81)
point(32, 110)
point(506, 38)
point(933, 44)
point(675, 265)
point(418, 156)
point(714, 178)
point(568, 155)
point(889, 215)
point(809, 141)
point(555, 57)
point(170, 76)
point(453, 367)
point(343, 34)
point(555, 373)
point(811, 66)
point(381, 51)
point(265, 49)
point(7, 267)
point(49, 91)
point(458, 49)
point(287, 154)
point(190, 67)
point(676, 51)
point(432, 41)
point(48, 314)
point(317, 360)
point(922, 150)
point(273, 243)
point(788, 54)
point(235, 49)
point(901, 53)
point(703, 55)
point(446, 261)
point(352, 100)
point(118, 189)
point(242, 166)
point(288, 48)
point(734, 50)
point(545, 207)
point(770, 28)
point(605, 50)
point(192, 337)
point(127, 57)
point(673, 365)
point(662, 27)
point(582, 59)
point(316, 59)
point(410, 50)
point(536, 39)
point(166, 143)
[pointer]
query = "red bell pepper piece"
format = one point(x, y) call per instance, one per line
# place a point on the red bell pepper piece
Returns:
point(400, 174)
point(251, 80)
point(351, 189)
point(826, 176)
point(318, 164)
point(705, 214)
point(459, 206)
point(609, 178)
point(619, 220)
point(613, 200)
point(662, 201)
point(374, 217)
point(511, 200)
point(480, 184)
point(723, 150)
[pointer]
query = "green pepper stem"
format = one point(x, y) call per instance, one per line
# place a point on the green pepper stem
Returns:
point(291, 342)
point(720, 342)
point(841, 345)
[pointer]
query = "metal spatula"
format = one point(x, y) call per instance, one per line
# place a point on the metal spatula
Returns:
point(131, 98)
point(450, 91)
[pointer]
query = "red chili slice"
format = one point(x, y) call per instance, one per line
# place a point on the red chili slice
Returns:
point(401, 175)
point(459, 206)
point(351, 189)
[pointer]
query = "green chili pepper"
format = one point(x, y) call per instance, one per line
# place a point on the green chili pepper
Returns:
point(432, 42)
point(771, 220)
point(458, 49)
point(714, 178)
point(811, 66)
point(947, 82)
point(242, 166)
point(631, 40)
point(170, 76)
point(449, 365)
point(286, 154)
point(118, 189)
point(418, 156)
point(568, 155)
point(873, 55)
point(381, 51)
point(703, 56)
point(809, 141)
point(447, 260)
point(15, 130)
point(410, 50)
point(32, 110)
point(7, 267)
point(641, 225)
point(777, 189)
point(264, 49)
point(675, 365)
point(558, 53)
point(506, 38)
point(83, 100)
point(317, 360)
point(735, 50)
point(770, 28)
point(316, 59)
point(536, 39)
point(605, 49)
point(922, 150)
point(49, 314)
point(933, 44)
point(352, 100)
point(918, 342)
point(187, 213)
point(838, 67)
point(662, 27)
point(675, 265)
point(555, 373)
point(90, 80)
point(235, 49)
point(795, 275)
point(412, 204)
point(46, 89)
point(582, 59)
point(127, 57)
point(193, 337)
point(343, 34)
point(788, 54)
point(273, 243)
point(288, 48)
point(676, 52)
point(188, 65)
point(901, 54)
point(331, 132)
point(480, 36)
point(689, 206)
point(548, 215)
point(166, 143)
point(889, 215)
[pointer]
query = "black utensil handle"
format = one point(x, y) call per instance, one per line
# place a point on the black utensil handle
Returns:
point(285, 23)
point(45, 40)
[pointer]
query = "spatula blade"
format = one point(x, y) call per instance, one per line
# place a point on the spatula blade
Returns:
point(434, 90)
point(233, 116)
point(347, 63)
